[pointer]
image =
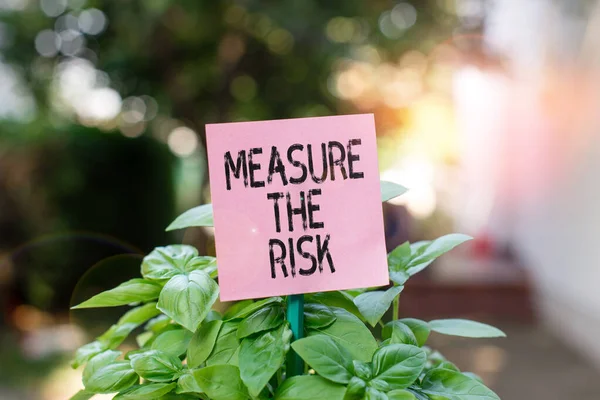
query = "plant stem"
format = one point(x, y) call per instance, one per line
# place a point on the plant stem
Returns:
point(295, 315)
point(381, 324)
point(396, 308)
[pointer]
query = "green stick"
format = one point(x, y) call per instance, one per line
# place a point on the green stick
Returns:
point(295, 315)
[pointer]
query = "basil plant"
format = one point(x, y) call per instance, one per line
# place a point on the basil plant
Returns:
point(187, 350)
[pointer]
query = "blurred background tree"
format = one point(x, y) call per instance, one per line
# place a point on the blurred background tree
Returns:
point(105, 104)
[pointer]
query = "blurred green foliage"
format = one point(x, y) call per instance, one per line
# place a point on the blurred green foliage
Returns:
point(202, 61)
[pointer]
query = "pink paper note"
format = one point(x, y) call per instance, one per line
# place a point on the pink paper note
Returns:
point(260, 171)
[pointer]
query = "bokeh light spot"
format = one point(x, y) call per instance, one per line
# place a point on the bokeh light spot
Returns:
point(243, 88)
point(92, 21)
point(71, 42)
point(403, 15)
point(280, 41)
point(133, 110)
point(102, 104)
point(65, 22)
point(182, 141)
point(47, 43)
point(341, 29)
point(53, 8)
point(151, 107)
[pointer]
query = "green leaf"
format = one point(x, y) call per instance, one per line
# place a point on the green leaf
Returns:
point(318, 316)
point(373, 305)
point(401, 395)
point(379, 384)
point(262, 320)
point(473, 376)
point(103, 374)
point(82, 395)
point(182, 396)
point(145, 392)
point(325, 356)
point(139, 315)
point(260, 357)
point(363, 370)
point(116, 334)
point(436, 358)
point(221, 382)
point(86, 352)
point(187, 383)
point(400, 256)
point(399, 277)
point(213, 316)
point(389, 190)
point(133, 318)
point(99, 361)
point(352, 293)
point(236, 308)
point(399, 364)
point(398, 333)
point(203, 342)
point(203, 263)
point(144, 338)
point(419, 328)
point(351, 333)
point(251, 308)
point(356, 389)
point(187, 299)
point(132, 291)
point(419, 395)
point(156, 366)
point(424, 253)
point(453, 385)
point(374, 394)
point(334, 299)
point(166, 262)
point(197, 216)
point(132, 353)
point(226, 347)
point(465, 328)
point(174, 342)
point(112, 378)
point(448, 365)
point(158, 324)
point(398, 260)
point(309, 387)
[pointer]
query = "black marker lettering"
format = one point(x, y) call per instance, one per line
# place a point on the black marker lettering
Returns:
point(352, 158)
point(277, 260)
point(313, 207)
point(291, 211)
point(307, 255)
point(337, 161)
point(323, 251)
point(296, 163)
point(292, 257)
point(311, 167)
point(275, 196)
point(237, 168)
point(252, 166)
point(276, 166)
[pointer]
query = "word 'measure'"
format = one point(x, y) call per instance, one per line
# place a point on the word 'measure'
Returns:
point(330, 161)
point(321, 164)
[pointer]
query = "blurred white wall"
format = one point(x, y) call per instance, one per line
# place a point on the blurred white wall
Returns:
point(532, 150)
